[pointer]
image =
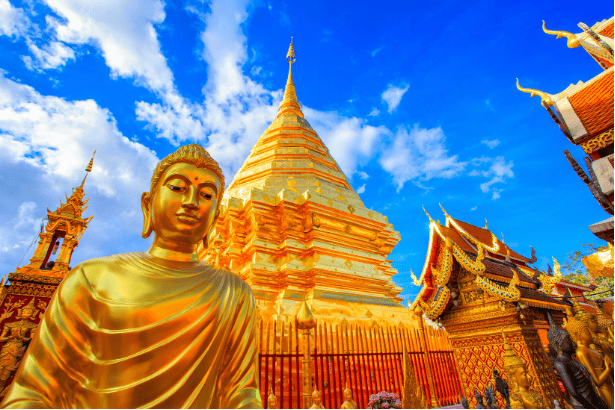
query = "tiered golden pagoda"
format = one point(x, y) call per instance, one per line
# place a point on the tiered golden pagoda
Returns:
point(24, 300)
point(294, 228)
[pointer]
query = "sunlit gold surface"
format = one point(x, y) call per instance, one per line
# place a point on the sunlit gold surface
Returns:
point(294, 229)
point(521, 396)
point(600, 263)
point(573, 42)
point(547, 99)
point(599, 365)
point(155, 329)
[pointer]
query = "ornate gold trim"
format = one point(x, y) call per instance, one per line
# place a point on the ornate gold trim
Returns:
point(600, 141)
point(509, 293)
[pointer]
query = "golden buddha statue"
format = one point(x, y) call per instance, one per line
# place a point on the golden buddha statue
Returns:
point(316, 400)
point(15, 336)
point(150, 329)
point(600, 337)
point(348, 403)
point(600, 366)
point(272, 401)
point(521, 396)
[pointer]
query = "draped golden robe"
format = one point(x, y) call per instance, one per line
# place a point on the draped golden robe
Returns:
point(133, 330)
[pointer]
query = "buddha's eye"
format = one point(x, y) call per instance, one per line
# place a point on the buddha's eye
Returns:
point(207, 195)
point(176, 185)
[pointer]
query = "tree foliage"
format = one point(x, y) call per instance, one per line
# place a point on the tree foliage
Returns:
point(574, 271)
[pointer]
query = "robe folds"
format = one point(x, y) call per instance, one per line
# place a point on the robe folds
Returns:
point(137, 331)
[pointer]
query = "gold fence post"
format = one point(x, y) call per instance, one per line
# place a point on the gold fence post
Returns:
point(434, 399)
point(306, 321)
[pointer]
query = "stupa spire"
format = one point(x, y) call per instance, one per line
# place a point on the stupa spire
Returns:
point(88, 169)
point(290, 103)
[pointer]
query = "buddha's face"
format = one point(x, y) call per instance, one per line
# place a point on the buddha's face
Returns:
point(520, 375)
point(585, 336)
point(27, 313)
point(183, 203)
point(593, 324)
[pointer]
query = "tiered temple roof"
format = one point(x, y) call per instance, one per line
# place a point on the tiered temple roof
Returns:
point(295, 229)
point(584, 113)
point(497, 269)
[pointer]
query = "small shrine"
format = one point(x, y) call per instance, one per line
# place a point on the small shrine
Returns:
point(25, 298)
point(486, 294)
point(294, 228)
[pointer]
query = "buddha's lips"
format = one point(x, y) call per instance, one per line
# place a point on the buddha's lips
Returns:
point(191, 216)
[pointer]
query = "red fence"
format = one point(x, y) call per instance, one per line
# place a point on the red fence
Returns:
point(369, 357)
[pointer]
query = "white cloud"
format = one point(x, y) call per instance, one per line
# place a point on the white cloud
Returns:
point(13, 21)
point(392, 96)
point(124, 31)
point(375, 111)
point(491, 143)
point(419, 154)
point(474, 208)
point(361, 189)
point(376, 51)
point(52, 55)
point(47, 143)
point(363, 175)
point(498, 170)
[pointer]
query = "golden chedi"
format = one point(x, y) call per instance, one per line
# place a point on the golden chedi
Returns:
point(294, 228)
point(150, 329)
point(599, 365)
point(521, 396)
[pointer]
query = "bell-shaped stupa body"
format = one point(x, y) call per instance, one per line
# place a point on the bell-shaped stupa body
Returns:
point(296, 231)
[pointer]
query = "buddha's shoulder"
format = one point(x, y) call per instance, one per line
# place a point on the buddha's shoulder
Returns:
point(232, 279)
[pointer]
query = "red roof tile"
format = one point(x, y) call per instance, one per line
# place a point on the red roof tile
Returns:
point(607, 31)
point(484, 235)
point(594, 105)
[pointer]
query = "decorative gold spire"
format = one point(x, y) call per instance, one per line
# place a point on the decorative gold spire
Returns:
point(290, 104)
point(511, 360)
point(429, 216)
point(546, 98)
point(305, 318)
point(573, 42)
point(88, 169)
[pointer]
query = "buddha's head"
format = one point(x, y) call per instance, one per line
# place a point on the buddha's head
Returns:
point(182, 204)
point(559, 338)
point(272, 401)
point(592, 323)
point(347, 394)
point(519, 375)
point(579, 331)
point(27, 312)
point(316, 396)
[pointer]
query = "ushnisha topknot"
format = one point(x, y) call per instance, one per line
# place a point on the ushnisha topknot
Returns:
point(556, 334)
point(193, 154)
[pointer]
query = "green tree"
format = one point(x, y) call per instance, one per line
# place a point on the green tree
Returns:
point(574, 271)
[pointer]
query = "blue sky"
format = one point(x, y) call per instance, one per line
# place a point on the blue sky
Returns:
point(415, 100)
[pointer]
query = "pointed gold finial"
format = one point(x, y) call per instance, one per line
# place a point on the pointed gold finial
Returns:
point(444, 210)
point(546, 98)
point(88, 169)
point(414, 278)
point(290, 104)
point(429, 216)
point(305, 318)
point(290, 56)
point(572, 42)
point(486, 224)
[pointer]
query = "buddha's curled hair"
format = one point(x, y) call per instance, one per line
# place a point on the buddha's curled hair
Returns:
point(193, 154)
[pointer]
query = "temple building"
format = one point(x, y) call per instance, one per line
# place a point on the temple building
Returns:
point(26, 297)
point(584, 113)
point(294, 228)
point(477, 287)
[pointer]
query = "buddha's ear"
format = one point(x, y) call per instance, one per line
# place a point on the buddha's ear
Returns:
point(146, 202)
point(213, 225)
